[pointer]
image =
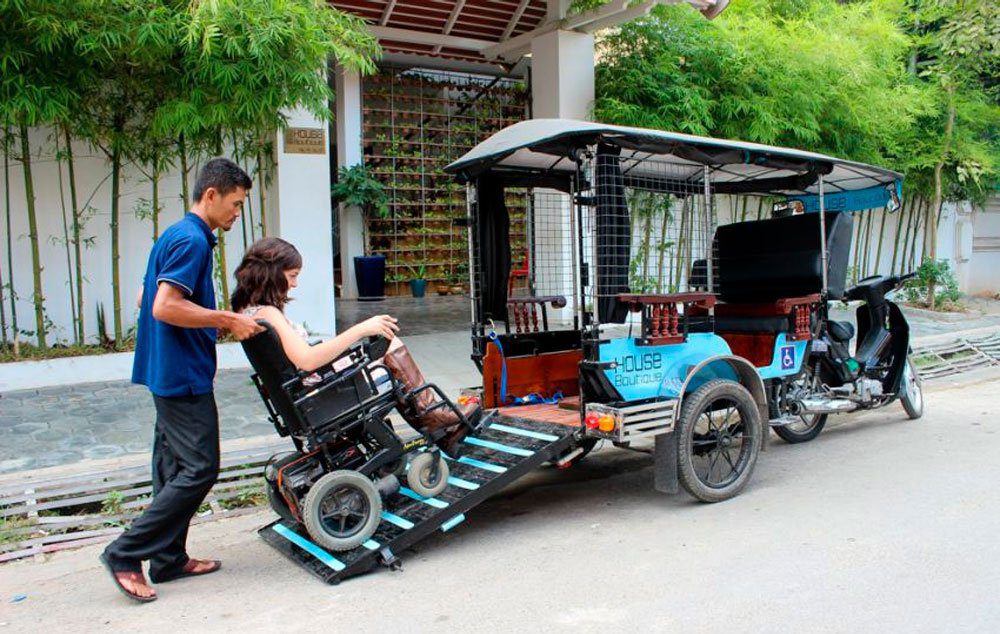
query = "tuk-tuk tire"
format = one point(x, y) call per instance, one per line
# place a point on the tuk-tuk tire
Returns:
point(694, 405)
point(794, 438)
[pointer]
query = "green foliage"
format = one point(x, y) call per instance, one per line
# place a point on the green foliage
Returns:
point(816, 74)
point(112, 504)
point(148, 82)
point(939, 274)
point(356, 187)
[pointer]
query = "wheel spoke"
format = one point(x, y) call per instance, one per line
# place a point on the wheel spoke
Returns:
point(725, 421)
point(711, 465)
point(725, 454)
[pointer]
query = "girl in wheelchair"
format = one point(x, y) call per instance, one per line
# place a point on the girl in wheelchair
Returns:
point(269, 271)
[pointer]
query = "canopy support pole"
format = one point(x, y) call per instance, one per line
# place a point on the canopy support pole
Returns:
point(822, 235)
point(710, 233)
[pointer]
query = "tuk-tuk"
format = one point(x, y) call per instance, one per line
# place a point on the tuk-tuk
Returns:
point(675, 288)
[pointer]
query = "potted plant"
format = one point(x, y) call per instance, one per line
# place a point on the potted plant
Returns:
point(356, 187)
point(418, 283)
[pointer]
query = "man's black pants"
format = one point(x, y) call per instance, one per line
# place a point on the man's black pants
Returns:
point(185, 466)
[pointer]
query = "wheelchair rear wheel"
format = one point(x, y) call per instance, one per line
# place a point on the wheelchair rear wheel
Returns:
point(342, 510)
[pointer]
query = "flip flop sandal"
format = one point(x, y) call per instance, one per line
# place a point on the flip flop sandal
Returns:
point(216, 565)
point(118, 583)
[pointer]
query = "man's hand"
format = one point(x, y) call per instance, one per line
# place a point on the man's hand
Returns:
point(172, 307)
point(242, 326)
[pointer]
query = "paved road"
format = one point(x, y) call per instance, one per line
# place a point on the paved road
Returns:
point(880, 525)
point(68, 424)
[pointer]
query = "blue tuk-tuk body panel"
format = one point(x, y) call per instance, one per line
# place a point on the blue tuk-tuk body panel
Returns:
point(643, 372)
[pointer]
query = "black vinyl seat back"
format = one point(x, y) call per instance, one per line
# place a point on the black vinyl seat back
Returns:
point(274, 370)
point(325, 402)
point(766, 260)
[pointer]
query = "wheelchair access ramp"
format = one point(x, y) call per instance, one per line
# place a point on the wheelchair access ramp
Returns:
point(507, 448)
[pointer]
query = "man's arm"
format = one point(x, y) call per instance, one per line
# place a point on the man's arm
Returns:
point(172, 307)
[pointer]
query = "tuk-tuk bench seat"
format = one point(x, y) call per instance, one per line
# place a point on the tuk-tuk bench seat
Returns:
point(524, 311)
point(789, 315)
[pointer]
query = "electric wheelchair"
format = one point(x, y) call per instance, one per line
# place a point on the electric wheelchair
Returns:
point(347, 456)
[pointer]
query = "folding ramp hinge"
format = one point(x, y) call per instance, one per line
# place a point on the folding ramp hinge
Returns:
point(390, 560)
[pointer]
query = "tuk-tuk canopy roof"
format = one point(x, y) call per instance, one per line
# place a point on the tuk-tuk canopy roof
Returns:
point(545, 146)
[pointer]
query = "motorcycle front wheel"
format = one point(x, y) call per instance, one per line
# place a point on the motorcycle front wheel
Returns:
point(911, 391)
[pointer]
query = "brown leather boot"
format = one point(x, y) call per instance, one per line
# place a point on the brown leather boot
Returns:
point(415, 410)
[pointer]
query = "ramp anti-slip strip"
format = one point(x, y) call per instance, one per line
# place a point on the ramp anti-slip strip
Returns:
point(453, 522)
point(309, 547)
point(524, 432)
point(401, 522)
point(495, 468)
point(462, 484)
point(489, 444)
point(410, 493)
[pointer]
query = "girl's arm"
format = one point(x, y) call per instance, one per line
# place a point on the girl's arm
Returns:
point(308, 358)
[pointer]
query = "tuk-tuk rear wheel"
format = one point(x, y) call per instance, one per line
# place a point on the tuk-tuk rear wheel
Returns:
point(719, 438)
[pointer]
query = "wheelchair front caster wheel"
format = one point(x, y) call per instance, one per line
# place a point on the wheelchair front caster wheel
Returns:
point(421, 475)
point(342, 510)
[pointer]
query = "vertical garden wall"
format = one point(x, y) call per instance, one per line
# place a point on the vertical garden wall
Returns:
point(416, 122)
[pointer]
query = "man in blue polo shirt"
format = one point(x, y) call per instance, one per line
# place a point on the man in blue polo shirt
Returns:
point(175, 359)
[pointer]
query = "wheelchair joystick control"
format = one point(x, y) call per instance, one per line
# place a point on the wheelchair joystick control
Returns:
point(377, 347)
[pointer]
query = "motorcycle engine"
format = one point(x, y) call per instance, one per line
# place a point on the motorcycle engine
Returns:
point(869, 389)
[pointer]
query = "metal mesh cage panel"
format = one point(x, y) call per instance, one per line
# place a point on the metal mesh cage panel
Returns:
point(648, 228)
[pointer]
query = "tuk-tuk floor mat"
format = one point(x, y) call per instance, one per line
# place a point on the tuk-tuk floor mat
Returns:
point(550, 413)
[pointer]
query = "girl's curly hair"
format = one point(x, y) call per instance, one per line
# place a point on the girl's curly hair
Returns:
point(260, 277)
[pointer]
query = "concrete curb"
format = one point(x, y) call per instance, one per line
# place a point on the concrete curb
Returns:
point(30, 375)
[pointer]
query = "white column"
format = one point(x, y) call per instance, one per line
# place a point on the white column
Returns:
point(305, 219)
point(562, 75)
point(347, 85)
point(562, 86)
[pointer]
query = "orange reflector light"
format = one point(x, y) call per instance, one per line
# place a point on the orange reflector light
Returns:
point(606, 423)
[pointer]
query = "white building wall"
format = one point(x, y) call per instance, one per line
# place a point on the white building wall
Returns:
point(304, 218)
point(135, 241)
point(984, 264)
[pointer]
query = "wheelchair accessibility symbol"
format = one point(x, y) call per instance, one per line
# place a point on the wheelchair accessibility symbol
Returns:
point(787, 357)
